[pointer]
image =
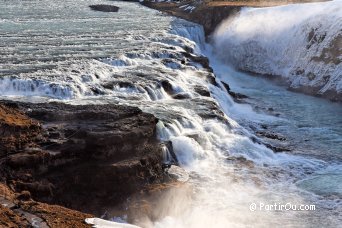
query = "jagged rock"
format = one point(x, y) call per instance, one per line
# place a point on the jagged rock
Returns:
point(271, 135)
point(212, 80)
point(203, 91)
point(204, 61)
point(237, 96)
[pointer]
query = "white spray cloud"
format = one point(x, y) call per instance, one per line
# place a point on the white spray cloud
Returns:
point(300, 42)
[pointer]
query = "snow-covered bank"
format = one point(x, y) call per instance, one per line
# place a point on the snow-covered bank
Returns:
point(302, 43)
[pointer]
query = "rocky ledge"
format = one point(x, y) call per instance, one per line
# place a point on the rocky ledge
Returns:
point(85, 157)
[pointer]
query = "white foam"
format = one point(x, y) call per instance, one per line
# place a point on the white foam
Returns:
point(30, 87)
point(101, 223)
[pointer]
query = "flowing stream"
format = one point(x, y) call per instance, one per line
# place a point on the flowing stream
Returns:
point(64, 51)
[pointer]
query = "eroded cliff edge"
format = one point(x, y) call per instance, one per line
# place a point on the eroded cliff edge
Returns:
point(85, 157)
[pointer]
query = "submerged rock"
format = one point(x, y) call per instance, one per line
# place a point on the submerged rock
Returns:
point(271, 135)
point(181, 96)
point(104, 8)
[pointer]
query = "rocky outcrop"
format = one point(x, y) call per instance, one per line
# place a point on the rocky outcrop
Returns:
point(84, 157)
point(238, 97)
point(207, 16)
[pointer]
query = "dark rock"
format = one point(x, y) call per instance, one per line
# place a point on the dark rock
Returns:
point(271, 135)
point(19, 210)
point(203, 91)
point(17, 131)
point(237, 96)
point(208, 16)
point(210, 110)
point(226, 86)
point(204, 61)
point(264, 126)
point(85, 157)
point(167, 87)
point(188, 49)
point(24, 196)
point(277, 149)
point(274, 148)
point(212, 80)
point(181, 96)
point(97, 91)
point(104, 8)
point(169, 146)
point(121, 84)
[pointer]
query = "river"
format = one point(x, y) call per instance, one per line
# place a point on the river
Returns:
point(63, 51)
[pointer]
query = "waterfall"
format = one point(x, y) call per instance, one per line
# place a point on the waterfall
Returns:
point(300, 43)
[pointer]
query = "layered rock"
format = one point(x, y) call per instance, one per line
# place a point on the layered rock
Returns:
point(87, 157)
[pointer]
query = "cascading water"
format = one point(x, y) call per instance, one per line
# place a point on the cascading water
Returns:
point(143, 64)
point(299, 42)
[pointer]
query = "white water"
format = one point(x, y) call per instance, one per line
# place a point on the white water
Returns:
point(301, 43)
point(134, 57)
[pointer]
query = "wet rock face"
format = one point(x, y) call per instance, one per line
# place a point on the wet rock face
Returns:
point(211, 17)
point(104, 8)
point(238, 97)
point(208, 16)
point(84, 157)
